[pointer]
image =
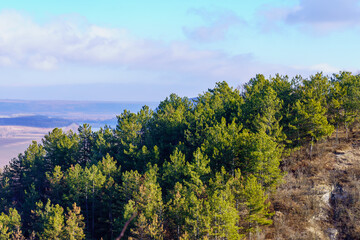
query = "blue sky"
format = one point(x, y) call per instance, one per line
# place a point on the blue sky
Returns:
point(115, 50)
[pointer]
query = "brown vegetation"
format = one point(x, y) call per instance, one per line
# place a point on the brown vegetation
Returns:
point(319, 198)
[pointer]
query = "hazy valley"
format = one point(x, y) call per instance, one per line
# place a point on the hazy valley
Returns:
point(22, 122)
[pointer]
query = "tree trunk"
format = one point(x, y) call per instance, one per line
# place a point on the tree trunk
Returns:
point(111, 222)
point(93, 212)
point(87, 207)
point(126, 225)
point(311, 146)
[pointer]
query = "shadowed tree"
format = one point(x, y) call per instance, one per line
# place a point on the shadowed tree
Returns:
point(61, 149)
point(86, 141)
point(168, 126)
point(130, 133)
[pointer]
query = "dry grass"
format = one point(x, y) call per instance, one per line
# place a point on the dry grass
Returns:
point(310, 204)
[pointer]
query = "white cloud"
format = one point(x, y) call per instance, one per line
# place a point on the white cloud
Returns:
point(218, 23)
point(321, 67)
point(316, 15)
point(43, 62)
point(325, 12)
point(5, 61)
point(25, 44)
point(326, 68)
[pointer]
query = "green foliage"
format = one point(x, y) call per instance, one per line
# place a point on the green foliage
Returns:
point(221, 102)
point(130, 134)
point(27, 171)
point(104, 141)
point(218, 155)
point(147, 204)
point(49, 221)
point(61, 149)
point(312, 120)
point(167, 127)
point(74, 229)
point(108, 166)
point(176, 210)
point(55, 180)
point(260, 155)
point(10, 225)
point(344, 99)
point(312, 108)
point(261, 109)
point(175, 170)
point(86, 143)
point(257, 206)
point(199, 169)
point(224, 215)
point(221, 145)
point(289, 93)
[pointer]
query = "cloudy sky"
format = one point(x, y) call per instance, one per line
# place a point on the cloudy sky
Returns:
point(143, 50)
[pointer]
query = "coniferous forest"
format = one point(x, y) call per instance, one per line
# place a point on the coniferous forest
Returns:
point(199, 168)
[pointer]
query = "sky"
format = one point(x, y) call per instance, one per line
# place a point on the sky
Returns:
point(141, 50)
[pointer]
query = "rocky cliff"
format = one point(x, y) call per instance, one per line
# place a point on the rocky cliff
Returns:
point(320, 195)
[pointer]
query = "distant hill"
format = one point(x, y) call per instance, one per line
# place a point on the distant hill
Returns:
point(51, 114)
point(35, 121)
point(23, 121)
point(70, 109)
point(96, 124)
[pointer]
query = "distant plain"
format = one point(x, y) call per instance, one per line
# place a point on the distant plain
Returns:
point(22, 122)
point(15, 139)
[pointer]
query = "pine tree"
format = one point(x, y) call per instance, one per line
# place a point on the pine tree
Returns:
point(147, 205)
point(185, 199)
point(197, 206)
point(74, 181)
point(104, 143)
point(289, 92)
point(262, 108)
point(49, 221)
point(167, 127)
point(198, 169)
point(86, 141)
point(84, 186)
point(260, 155)
point(130, 133)
point(221, 145)
point(257, 206)
point(74, 229)
point(312, 121)
point(109, 201)
point(10, 225)
point(336, 104)
point(176, 209)
point(311, 110)
point(221, 102)
point(61, 149)
point(26, 171)
point(345, 99)
point(175, 170)
point(94, 181)
point(56, 183)
point(224, 215)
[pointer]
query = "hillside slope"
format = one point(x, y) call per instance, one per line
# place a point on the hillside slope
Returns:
point(319, 198)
